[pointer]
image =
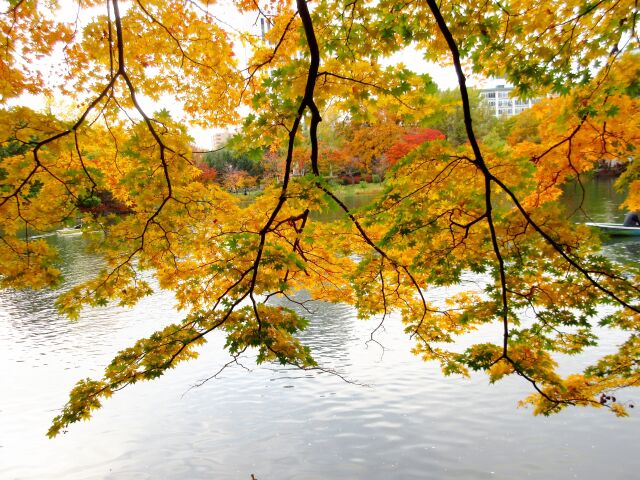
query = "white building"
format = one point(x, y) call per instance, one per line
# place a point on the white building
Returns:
point(220, 137)
point(498, 98)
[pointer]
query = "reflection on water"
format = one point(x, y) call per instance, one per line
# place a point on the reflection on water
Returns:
point(353, 199)
point(622, 249)
point(408, 422)
point(594, 200)
point(331, 336)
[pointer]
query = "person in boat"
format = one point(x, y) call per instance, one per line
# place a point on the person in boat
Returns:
point(631, 219)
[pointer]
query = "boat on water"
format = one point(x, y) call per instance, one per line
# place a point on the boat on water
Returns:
point(75, 230)
point(616, 229)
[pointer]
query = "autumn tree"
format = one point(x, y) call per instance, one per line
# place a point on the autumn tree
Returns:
point(226, 159)
point(236, 180)
point(342, 163)
point(273, 164)
point(207, 174)
point(410, 141)
point(368, 144)
point(449, 119)
point(448, 211)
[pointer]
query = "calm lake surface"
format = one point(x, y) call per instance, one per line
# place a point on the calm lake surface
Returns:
point(409, 422)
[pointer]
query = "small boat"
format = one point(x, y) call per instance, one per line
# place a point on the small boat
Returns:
point(616, 229)
point(76, 230)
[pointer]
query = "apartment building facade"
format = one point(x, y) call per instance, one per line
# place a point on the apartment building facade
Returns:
point(498, 97)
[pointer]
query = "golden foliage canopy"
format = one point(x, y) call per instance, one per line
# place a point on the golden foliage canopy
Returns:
point(446, 212)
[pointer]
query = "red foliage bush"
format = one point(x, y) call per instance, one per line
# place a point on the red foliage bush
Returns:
point(411, 141)
point(208, 174)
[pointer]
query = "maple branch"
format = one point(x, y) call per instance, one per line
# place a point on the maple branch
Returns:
point(209, 15)
point(224, 147)
point(479, 161)
point(386, 91)
point(110, 38)
point(353, 4)
point(364, 235)
point(273, 54)
point(120, 72)
point(384, 308)
point(132, 93)
point(234, 359)
point(315, 119)
point(147, 120)
point(39, 145)
point(537, 158)
point(84, 167)
point(306, 101)
point(586, 273)
point(445, 173)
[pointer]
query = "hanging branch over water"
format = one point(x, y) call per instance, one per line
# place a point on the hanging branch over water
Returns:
point(445, 212)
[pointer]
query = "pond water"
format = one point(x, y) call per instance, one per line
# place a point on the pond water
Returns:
point(403, 420)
